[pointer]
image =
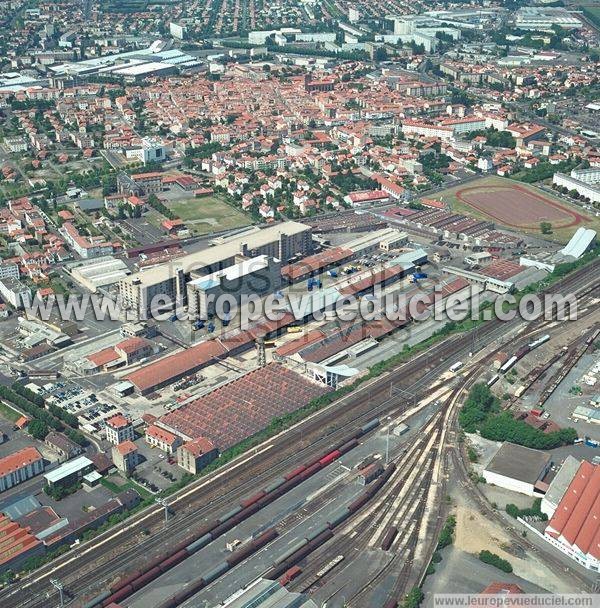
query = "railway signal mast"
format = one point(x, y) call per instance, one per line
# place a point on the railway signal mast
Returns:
point(59, 586)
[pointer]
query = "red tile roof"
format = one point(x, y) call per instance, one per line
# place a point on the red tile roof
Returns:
point(14, 462)
point(131, 345)
point(14, 539)
point(496, 588)
point(577, 517)
point(199, 446)
point(161, 435)
point(118, 421)
point(126, 447)
point(177, 365)
point(104, 356)
point(245, 406)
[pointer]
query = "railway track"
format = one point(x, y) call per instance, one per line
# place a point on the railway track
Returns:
point(96, 564)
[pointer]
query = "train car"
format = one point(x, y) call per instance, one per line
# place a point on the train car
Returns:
point(173, 560)
point(389, 537)
point(329, 458)
point(508, 364)
point(199, 543)
point(312, 535)
point(349, 445)
point(290, 574)
point(337, 518)
point(369, 426)
point(252, 499)
point(493, 380)
point(355, 505)
point(454, 368)
point(293, 549)
point(310, 471)
point(294, 472)
point(541, 340)
point(328, 567)
point(146, 578)
point(230, 514)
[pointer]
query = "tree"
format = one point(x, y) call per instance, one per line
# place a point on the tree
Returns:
point(38, 429)
point(546, 227)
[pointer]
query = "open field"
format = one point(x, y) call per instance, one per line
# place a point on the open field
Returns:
point(208, 214)
point(8, 413)
point(517, 206)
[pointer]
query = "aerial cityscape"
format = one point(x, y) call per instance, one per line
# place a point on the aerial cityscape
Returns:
point(299, 303)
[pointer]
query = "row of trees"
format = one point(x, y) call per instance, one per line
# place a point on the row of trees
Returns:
point(43, 420)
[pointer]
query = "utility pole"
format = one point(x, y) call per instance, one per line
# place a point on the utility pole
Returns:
point(163, 503)
point(387, 441)
point(59, 586)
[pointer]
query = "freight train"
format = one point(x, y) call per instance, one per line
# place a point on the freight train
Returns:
point(323, 533)
point(522, 352)
point(213, 530)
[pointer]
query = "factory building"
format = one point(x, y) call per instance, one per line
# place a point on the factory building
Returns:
point(559, 485)
point(575, 525)
point(19, 467)
point(283, 241)
point(69, 473)
point(518, 469)
point(259, 275)
point(264, 593)
point(100, 272)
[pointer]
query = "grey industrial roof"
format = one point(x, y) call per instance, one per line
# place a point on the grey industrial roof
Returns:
point(19, 508)
point(563, 478)
point(68, 468)
point(518, 462)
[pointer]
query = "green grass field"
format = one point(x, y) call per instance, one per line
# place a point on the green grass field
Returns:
point(208, 214)
point(561, 235)
point(8, 413)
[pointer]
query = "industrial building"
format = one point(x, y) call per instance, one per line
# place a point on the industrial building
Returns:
point(257, 276)
point(575, 525)
point(517, 468)
point(559, 485)
point(283, 242)
point(19, 467)
point(17, 543)
point(69, 473)
point(241, 408)
point(264, 593)
point(544, 18)
point(100, 272)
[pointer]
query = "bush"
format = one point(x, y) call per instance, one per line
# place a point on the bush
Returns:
point(413, 598)
point(488, 557)
point(480, 413)
point(534, 511)
point(447, 533)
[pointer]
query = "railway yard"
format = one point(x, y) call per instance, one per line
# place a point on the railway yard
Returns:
point(346, 506)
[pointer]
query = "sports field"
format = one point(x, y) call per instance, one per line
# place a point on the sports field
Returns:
point(208, 214)
point(518, 206)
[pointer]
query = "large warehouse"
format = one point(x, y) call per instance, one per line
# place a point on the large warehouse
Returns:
point(517, 468)
point(283, 241)
point(575, 525)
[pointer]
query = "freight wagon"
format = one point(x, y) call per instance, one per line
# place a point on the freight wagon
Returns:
point(212, 530)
